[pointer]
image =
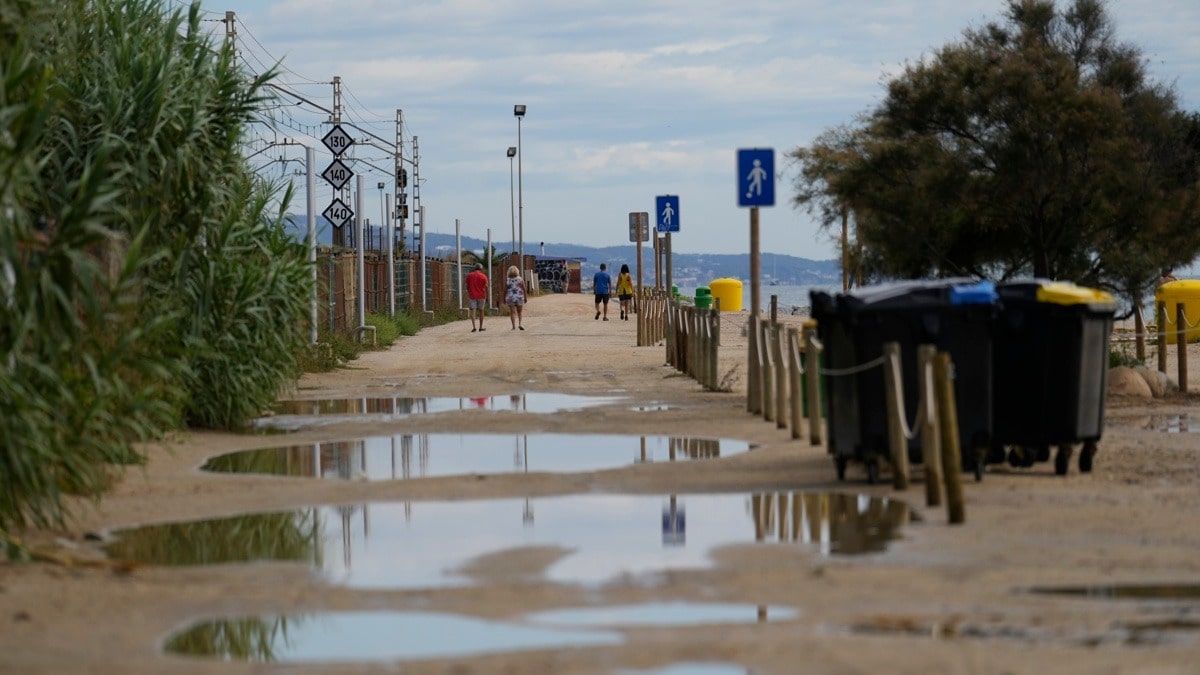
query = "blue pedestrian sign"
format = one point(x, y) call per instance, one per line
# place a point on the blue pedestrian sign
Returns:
point(666, 209)
point(756, 177)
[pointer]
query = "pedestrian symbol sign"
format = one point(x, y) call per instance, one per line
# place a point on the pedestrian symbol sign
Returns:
point(666, 209)
point(756, 177)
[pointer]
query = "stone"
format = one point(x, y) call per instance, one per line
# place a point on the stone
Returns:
point(1125, 381)
point(1152, 379)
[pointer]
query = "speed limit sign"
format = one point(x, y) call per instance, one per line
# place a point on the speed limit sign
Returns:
point(337, 140)
point(338, 214)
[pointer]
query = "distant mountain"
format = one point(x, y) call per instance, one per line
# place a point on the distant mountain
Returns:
point(690, 269)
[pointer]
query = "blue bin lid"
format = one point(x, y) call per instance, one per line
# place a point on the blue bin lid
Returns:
point(978, 293)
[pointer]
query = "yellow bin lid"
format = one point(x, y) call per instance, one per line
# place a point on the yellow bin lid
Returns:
point(1184, 288)
point(1066, 293)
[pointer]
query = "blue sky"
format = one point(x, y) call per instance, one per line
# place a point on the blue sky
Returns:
point(626, 100)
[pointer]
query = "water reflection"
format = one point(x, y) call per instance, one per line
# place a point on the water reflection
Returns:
point(297, 414)
point(1126, 591)
point(371, 636)
point(1174, 424)
point(424, 544)
point(665, 614)
point(406, 456)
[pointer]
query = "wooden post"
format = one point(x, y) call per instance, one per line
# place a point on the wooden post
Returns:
point(948, 432)
point(931, 448)
point(781, 378)
point(753, 395)
point(897, 443)
point(1160, 315)
point(813, 383)
point(715, 368)
point(794, 392)
point(768, 373)
point(1181, 326)
point(774, 310)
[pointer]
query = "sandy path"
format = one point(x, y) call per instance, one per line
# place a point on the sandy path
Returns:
point(945, 599)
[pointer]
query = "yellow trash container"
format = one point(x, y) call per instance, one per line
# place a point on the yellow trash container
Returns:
point(729, 292)
point(1184, 292)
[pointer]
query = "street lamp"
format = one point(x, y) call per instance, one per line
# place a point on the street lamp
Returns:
point(512, 210)
point(382, 213)
point(519, 112)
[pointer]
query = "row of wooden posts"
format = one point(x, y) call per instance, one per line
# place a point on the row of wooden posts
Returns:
point(1181, 326)
point(784, 374)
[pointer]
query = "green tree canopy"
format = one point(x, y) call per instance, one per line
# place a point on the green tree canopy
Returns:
point(1033, 145)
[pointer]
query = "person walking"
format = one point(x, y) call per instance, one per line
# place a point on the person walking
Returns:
point(514, 296)
point(624, 291)
point(602, 286)
point(477, 292)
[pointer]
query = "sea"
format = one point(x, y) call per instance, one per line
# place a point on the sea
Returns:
point(789, 297)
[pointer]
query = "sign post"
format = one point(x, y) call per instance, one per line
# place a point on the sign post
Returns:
point(756, 187)
point(639, 231)
point(666, 209)
point(338, 174)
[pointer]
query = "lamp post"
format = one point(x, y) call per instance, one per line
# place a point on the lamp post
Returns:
point(519, 112)
point(512, 209)
point(383, 219)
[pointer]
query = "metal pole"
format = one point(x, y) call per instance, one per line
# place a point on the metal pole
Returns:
point(512, 208)
point(310, 160)
point(424, 308)
point(391, 252)
point(670, 277)
point(458, 247)
point(520, 205)
point(362, 272)
point(488, 255)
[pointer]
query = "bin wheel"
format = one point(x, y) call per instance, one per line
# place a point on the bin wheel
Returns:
point(1043, 454)
point(1086, 455)
point(980, 463)
point(840, 463)
point(1062, 459)
point(872, 471)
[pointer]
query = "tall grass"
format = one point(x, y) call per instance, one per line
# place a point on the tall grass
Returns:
point(143, 284)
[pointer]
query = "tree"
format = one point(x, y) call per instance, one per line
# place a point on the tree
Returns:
point(1037, 145)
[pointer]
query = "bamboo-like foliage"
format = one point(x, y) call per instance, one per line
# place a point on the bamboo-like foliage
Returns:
point(143, 282)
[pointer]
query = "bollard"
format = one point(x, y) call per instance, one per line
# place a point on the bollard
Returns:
point(931, 449)
point(1181, 325)
point(795, 394)
point(948, 433)
point(897, 443)
point(781, 378)
point(813, 384)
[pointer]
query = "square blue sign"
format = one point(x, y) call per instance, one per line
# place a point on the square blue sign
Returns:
point(666, 209)
point(756, 177)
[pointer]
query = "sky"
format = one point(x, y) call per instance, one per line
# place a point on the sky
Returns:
point(626, 99)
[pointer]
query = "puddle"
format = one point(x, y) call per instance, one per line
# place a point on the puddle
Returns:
point(406, 456)
point(604, 537)
point(692, 669)
point(1186, 423)
point(370, 636)
point(1126, 591)
point(664, 614)
point(299, 414)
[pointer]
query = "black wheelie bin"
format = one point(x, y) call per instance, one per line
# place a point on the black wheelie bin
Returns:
point(1051, 365)
point(954, 315)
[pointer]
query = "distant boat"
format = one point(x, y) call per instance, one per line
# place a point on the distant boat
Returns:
point(774, 282)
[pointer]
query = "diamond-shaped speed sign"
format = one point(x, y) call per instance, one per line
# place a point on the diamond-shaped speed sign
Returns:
point(338, 214)
point(338, 174)
point(337, 140)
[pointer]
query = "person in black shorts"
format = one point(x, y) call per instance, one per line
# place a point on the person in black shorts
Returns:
point(602, 286)
point(624, 291)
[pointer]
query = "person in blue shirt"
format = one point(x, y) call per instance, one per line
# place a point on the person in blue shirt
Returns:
point(602, 285)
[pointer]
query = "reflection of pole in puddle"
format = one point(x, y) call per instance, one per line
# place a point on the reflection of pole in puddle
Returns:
point(527, 514)
point(643, 450)
point(762, 613)
point(674, 523)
